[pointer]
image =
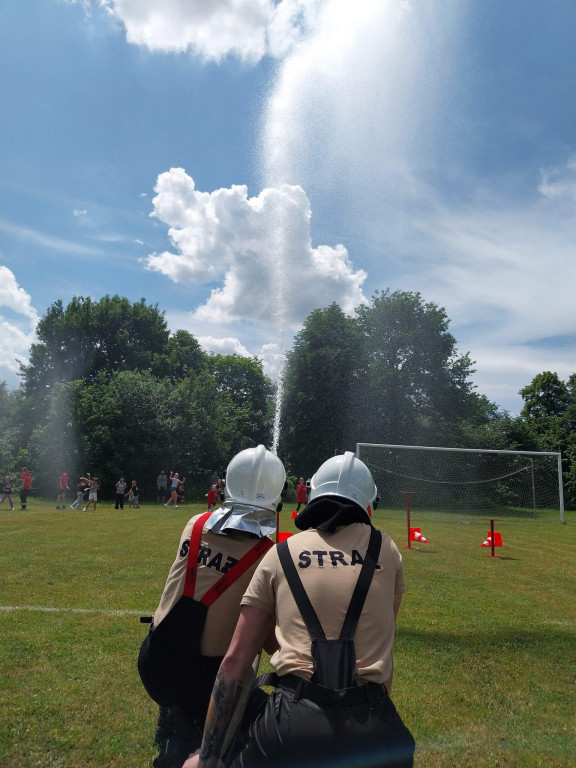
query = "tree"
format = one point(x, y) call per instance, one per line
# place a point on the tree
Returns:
point(321, 372)
point(55, 441)
point(390, 375)
point(200, 428)
point(248, 396)
point(550, 414)
point(182, 356)
point(413, 386)
point(9, 431)
point(88, 337)
point(124, 427)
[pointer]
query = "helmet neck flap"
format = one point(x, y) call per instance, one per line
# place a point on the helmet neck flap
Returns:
point(234, 516)
point(326, 513)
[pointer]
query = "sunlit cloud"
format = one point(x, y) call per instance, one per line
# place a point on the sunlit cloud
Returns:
point(223, 346)
point(258, 250)
point(18, 320)
point(245, 29)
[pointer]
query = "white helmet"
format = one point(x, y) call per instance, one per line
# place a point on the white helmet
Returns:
point(255, 477)
point(345, 476)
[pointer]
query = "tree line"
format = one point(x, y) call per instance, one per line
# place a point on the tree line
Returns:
point(109, 390)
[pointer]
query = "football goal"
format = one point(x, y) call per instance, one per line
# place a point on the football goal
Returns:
point(466, 480)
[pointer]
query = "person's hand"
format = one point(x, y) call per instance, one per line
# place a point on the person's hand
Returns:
point(193, 761)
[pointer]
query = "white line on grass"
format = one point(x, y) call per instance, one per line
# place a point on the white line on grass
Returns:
point(50, 609)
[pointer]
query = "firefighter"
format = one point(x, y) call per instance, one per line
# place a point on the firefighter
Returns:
point(192, 627)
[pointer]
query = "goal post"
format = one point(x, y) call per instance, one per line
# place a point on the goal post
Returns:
point(468, 480)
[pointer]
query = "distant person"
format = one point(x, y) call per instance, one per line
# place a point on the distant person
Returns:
point(62, 486)
point(196, 615)
point(175, 483)
point(214, 478)
point(212, 498)
point(162, 485)
point(134, 495)
point(7, 489)
point(220, 490)
point(26, 486)
point(92, 493)
point(301, 494)
point(121, 486)
point(81, 487)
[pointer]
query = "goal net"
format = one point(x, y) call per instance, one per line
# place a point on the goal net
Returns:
point(465, 480)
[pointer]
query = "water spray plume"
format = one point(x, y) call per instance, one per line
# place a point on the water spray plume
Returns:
point(356, 113)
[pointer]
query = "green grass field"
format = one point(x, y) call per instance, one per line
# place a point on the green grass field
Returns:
point(484, 655)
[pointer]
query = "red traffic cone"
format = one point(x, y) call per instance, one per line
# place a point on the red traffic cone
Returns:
point(416, 535)
point(497, 540)
point(282, 536)
point(294, 514)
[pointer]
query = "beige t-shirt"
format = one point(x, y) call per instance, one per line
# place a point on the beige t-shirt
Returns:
point(217, 554)
point(328, 565)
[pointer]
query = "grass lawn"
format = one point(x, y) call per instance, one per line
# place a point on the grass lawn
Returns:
point(484, 654)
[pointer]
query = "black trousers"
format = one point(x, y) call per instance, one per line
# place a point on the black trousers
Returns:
point(295, 732)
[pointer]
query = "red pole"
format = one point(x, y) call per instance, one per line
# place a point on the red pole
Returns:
point(277, 525)
point(408, 515)
point(492, 537)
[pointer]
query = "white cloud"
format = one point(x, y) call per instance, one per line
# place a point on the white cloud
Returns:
point(223, 346)
point(259, 250)
point(17, 329)
point(272, 359)
point(560, 181)
point(214, 29)
point(509, 268)
point(503, 371)
point(48, 241)
point(80, 214)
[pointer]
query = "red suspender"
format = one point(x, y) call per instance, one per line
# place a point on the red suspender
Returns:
point(192, 565)
point(254, 554)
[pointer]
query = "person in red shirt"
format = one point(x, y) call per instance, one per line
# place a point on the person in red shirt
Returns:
point(301, 494)
point(212, 498)
point(26, 485)
point(62, 487)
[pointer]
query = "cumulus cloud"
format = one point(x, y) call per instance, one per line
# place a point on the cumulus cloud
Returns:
point(223, 346)
point(17, 325)
point(214, 29)
point(272, 357)
point(257, 249)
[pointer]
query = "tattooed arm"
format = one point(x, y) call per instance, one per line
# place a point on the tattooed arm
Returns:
point(251, 630)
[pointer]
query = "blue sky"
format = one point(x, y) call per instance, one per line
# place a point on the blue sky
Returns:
point(241, 163)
